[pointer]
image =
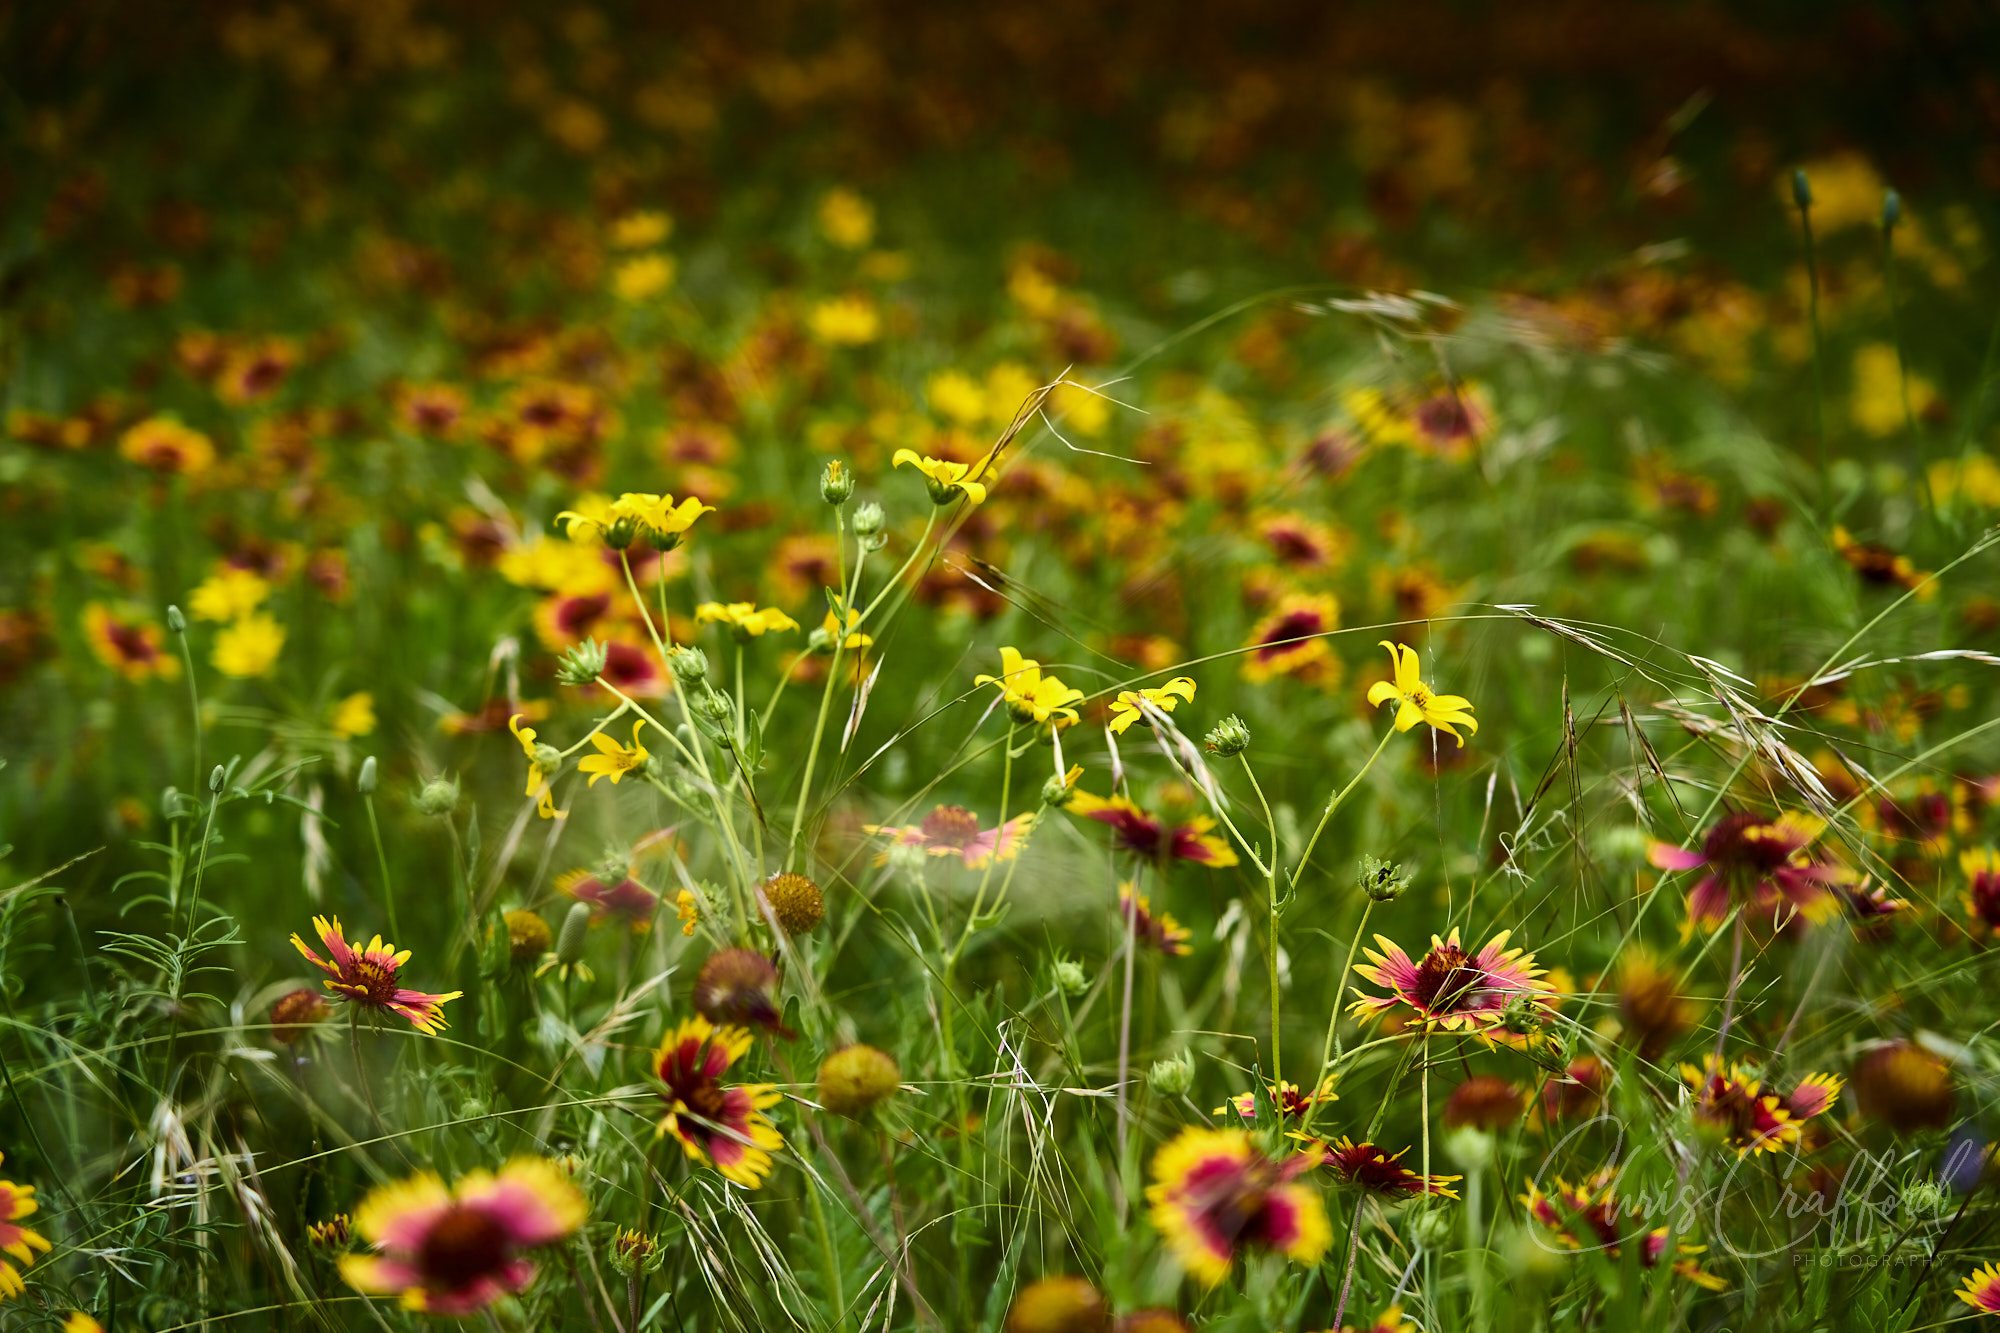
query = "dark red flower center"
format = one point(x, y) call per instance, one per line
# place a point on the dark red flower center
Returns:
point(1446, 979)
point(463, 1245)
point(1289, 628)
point(376, 979)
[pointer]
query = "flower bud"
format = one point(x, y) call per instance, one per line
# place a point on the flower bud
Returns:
point(332, 1233)
point(634, 1252)
point(216, 778)
point(1173, 1076)
point(795, 901)
point(528, 936)
point(547, 759)
point(1228, 737)
point(364, 782)
point(1384, 881)
point(714, 706)
point(1892, 210)
point(582, 664)
point(176, 622)
point(620, 533)
point(438, 796)
point(836, 483)
point(689, 666)
point(1469, 1148)
point(295, 1012)
point(1430, 1227)
point(854, 1080)
point(1924, 1199)
point(1801, 189)
point(869, 521)
point(1069, 976)
point(575, 931)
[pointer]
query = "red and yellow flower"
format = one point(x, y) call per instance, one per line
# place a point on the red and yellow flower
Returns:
point(1152, 837)
point(1733, 1104)
point(1157, 930)
point(1981, 1289)
point(1590, 1217)
point(719, 1124)
point(1215, 1196)
point(1766, 865)
point(128, 645)
point(368, 976)
point(17, 1241)
point(1451, 990)
point(953, 830)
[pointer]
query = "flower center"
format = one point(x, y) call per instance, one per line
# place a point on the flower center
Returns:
point(380, 981)
point(463, 1245)
point(951, 826)
point(1446, 979)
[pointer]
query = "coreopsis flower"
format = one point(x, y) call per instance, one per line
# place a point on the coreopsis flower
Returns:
point(635, 514)
point(1030, 696)
point(1291, 1102)
point(228, 594)
point(1371, 1169)
point(1130, 705)
point(1215, 1196)
point(79, 1322)
point(1981, 1289)
point(128, 645)
point(1156, 930)
point(249, 648)
point(1291, 640)
point(947, 480)
point(1767, 865)
point(1590, 1217)
point(542, 764)
point(454, 1250)
point(368, 977)
point(17, 1241)
point(352, 716)
point(724, 1126)
point(1905, 1087)
point(1451, 990)
point(612, 897)
point(613, 760)
point(745, 620)
point(1149, 836)
point(953, 830)
point(1733, 1103)
point(1417, 702)
point(1981, 866)
point(166, 446)
point(832, 629)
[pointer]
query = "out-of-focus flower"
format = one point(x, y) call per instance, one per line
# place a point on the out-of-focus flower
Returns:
point(249, 648)
point(1286, 1098)
point(1130, 705)
point(1882, 566)
point(1291, 640)
point(128, 645)
point(739, 987)
point(1765, 864)
point(1373, 1170)
point(856, 1079)
point(1059, 1305)
point(17, 1241)
point(1590, 1217)
point(795, 901)
point(455, 1250)
point(612, 897)
point(846, 219)
point(953, 830)
point(1416, 702)
point(1881, 390)
point(368, 977)
point(846, 321)
point(745, 620)
point(1904, 1086)
point(353, 716)
point(719, 1124)
point(1452, 990)
point(1485, 1101)
point(1981, 866)
point(637, 231)
point(228, 594)
point(1158, 930)
point(642, 278)
point(1214, 1197)
point(296, 1013)
point(1733, 1104)
point(164, 445)
point(1149, 836)
point(1651, 1002)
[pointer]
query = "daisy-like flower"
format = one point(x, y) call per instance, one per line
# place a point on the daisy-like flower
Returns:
point(1291, 1103)
point(1031, 697)
point(1215, 1196)
point(1981, 1289)
point(166, 446)
point(1373, 1170)
point(130, 646)
point(249, 648)
point(612, 897)
point(953, 830)
point(745, 620)
point(1291, 641)
point(454, 1250)
point(1417, 702)
point(1765, 864)
point(1157, 930)
point(1451, 990)
point(542, 764)
point(1981, 866)
point(368, 977)
point(17, 1202)
point(722, 1125)
point(832, 628)
point(1389, 1321)
point(1590, 1217)
point(1130, 705)
point(613, 760)
point(228, 594)
point(947, 480)
point(636, 514)
point(1735, 1106)
point(1149, 836)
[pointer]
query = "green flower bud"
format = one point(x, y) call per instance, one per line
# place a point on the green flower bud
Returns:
point(1801, 189)
point(1469, 1147)
point(1173, 1076)
point(547, 758)
point(582, 664)
point(175, 620)
point(217, 776)
point(1430, 1226)
point(689, 666)
point(364, 781)
point(870, 524)
point(575, 931)
point(1924, 1198)
point(836, 483)
point(1069, 976)
point(1892, 210)
point(1228, 737)
point(620, 534)
point(1384, 881)
point(438, 796)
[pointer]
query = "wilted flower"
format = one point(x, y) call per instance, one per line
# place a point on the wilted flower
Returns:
point(1215, 1196)
point(739, 986)
point(295, 1013)
point(1059, 1305)
point(368, 976)
point(856, 1079)
point(795, 901)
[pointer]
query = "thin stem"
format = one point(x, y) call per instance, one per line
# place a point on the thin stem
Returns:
point(382, 865)
point(1347, 1274)
point(1339, 798)
point(1331, 1051)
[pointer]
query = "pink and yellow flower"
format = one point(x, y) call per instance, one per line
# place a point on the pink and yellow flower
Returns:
point(1451, 990)
point(1215, 1196)
point(722, 1125)
point(1981, 1289)
point(1374, 1170)
point(1157, 930)
point(626, 901)
point(128, 645)
point(1734, 1105)
point(455, 1250)
point(1290, 1102)
point(1589, 1216)
point(17, 1241)
point(1765, 865)
point(368, 976)
point(1152, 837)
point(953, 830)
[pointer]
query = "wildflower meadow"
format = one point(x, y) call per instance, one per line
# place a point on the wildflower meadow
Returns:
point(1029, 668)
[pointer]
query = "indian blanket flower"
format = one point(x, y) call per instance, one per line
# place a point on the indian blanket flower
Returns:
point(745, 620)
point(1031, 697)
point(1131, 705)
point(1291, 640)
point(613, 760)
point(1157, 930)
point(1765, 864)
point(1215, 1196)
point(128, 645)
point(1374, 1170)
point(1590, 1217)
point(454, 1250)
point(166, 446)
point(1452, 990)
point(953, 830)
point(1291, 1103)
point(17, 1241)
point(947, 480)
point(368, 976)
point(612, 897)
point(1981, 866)
point(1416, 701)
point(1981, 1289)
point(725, 1126)
point(1150, 836)
point(542, 764)
point(1735, 1105)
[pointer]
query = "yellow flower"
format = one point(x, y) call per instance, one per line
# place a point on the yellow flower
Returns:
point(542, 764)
point(354, 715)
point(79, 1322)
point(1417, 702)
point(947, 480)
point(636, 231)
point(846, 219)
point(1029, 695)
point(249, 648)
point(613, 760)
point(17, 1202)
point(1127, 709)
point(831, 627)
point(228, 594)
point(1877, 402)
point(958, 396)
point(688, 910)
point(846, 321)
point(643, 278)
point(165, 445)
point(745, 619)
point(656, 517)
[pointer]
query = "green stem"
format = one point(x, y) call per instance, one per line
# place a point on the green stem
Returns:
point(382, 864)
point(1339, 799)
